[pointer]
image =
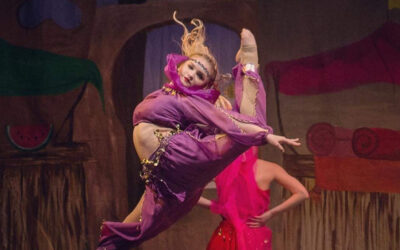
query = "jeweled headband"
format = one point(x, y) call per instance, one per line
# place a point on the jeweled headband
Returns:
point(202, 66)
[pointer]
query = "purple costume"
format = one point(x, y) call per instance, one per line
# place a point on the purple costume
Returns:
point(204, 141)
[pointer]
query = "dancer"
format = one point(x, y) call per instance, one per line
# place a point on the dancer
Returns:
point(243, 199)
point(185, 141)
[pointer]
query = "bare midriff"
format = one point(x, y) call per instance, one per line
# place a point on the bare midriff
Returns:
point(144, 139)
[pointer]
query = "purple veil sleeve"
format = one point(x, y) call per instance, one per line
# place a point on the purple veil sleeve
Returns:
point(206, 113)
point(197, 109)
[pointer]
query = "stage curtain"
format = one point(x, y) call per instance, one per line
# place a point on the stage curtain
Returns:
point(28, 72)
point(370, 60)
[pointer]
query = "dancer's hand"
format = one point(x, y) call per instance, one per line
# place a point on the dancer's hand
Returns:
point(278, 140)
point(259, 221)
point(222, 102)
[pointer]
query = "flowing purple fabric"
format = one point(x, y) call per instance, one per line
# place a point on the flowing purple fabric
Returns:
point(371, 60)
point(239, 198)
point(207, 140)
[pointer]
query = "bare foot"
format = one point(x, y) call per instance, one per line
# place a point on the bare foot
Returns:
point(247, 38)
point(248, 48)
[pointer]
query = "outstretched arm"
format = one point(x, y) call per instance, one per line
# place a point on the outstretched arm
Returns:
point(278, 141)
point(272, 139)
point(299, 193)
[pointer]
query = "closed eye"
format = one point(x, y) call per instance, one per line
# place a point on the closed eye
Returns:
point(200, 75)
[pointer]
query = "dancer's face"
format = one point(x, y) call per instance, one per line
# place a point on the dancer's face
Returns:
point(195, 71)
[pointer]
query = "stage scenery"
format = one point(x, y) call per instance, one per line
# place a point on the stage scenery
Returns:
point(75, 79)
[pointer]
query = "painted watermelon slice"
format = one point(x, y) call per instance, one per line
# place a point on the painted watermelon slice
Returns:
point(29, 137)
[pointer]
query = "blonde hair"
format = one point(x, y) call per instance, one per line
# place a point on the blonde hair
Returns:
point(193, 43)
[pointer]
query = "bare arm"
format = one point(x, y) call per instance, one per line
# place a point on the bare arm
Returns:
point(299, 194)
point(204, 202)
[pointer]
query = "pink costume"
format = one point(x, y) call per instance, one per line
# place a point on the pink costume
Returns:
point(239, 198)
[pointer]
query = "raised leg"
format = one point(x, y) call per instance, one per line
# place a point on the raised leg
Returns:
point(248, 57)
